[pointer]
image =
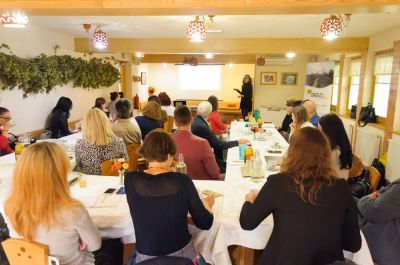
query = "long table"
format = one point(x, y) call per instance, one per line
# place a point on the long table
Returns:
point(116, 222)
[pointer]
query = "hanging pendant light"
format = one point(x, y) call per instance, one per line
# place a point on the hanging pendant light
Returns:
point(100, 40)
point(196, 30)
point(332, 27)
point(14, 21)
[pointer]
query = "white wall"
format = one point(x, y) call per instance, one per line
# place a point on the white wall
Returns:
point(276, 95)
point(164, 77)
point(30, 113)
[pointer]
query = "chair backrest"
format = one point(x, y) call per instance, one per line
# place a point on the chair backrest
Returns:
point(374, 177)
point(133, 156)
point(20, 251)
point(167, 260)
point(357, 167)
point(106, 168)
point(168, 124)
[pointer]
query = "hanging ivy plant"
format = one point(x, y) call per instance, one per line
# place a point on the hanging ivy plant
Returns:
point(43, 73)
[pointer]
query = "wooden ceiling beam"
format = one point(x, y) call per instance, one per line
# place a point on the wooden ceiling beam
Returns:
point(194, 7)
point(229, 45)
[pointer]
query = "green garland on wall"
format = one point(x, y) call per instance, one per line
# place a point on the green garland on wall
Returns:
point(43, 73)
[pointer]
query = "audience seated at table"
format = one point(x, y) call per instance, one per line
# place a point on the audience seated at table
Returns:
point(300, 119)
point(164, 114)
point(4, 235)
point(342, 156)
point(311, 108)
point(57, 121)
point(5, 125)
point(201, 129)
point(99, 143)
point(114, 96)
point(40, 206)
point(165, 101)
point(285, 128)
point(379, 220)
point(125, 126)
point(214, 119)
point(150, 119)
point(199, 158)
point(160, 200)
point(315, 216)
point(100, 103)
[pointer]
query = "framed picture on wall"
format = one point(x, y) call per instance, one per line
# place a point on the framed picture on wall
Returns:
point(289, 79)
point(268, 78)
point(143, 78)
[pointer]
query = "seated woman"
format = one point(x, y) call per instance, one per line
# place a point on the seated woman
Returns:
point(100, 103)
point(341, 156)
point(57, 121)
point(5, 125)
point(315, 216)
point(164, 114)
point(165, 101)
point(214, 119)
point(99, 143)
point(300, 119)
point(150, 119)
point(163, 230)
point(379, 220)
point(284, 128)
point(40, 206)
point(114, 96)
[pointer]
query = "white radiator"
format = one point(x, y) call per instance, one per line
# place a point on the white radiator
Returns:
point(393, 165)
point(368, 145)
point(349, 131)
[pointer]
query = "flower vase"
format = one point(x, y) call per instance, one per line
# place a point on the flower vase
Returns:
point(121, 177)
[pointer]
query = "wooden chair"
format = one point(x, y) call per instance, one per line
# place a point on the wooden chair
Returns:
point(374, 177)
point(133, 156)
point(168, 124)
point(20, 252)
point(106, 168)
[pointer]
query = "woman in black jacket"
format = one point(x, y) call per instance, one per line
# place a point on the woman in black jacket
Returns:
point(57, 121)
point(246, 102)
point(315, 216)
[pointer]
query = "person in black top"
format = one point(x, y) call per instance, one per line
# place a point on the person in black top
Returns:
point(201, 129)
point(57, 121)
point(315, 216)
point(160, 200)
point(246, 95)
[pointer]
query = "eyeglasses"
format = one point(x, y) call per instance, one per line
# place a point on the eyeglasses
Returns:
point(6, 118)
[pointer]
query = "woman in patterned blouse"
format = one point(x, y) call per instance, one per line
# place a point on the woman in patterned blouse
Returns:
point(98, 144)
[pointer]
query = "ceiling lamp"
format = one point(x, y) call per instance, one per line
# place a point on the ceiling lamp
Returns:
point(14, 21)
point(209, 55)
point(290, 55)
point(333, 26)
point(196, 30)
point(100, 40)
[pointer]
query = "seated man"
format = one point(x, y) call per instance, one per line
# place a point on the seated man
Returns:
point(200, 128)
point(379, 220)
point(199, 158)
point(311, 108)
point(126, 127)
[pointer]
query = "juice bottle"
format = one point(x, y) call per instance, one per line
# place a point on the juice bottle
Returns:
point(248, 153)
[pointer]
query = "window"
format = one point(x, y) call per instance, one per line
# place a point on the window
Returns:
point(354, 83)
point(380, 96)
point(335, 87)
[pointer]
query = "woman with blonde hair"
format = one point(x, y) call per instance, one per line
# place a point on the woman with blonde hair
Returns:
point(300, 119)
point(315, 216)
point(150, 119)
point(40, 206)
point(99, 143)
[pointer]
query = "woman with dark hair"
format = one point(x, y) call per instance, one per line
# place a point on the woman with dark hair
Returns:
point(163, 231)
point(57, 121)
point(342, 155)
point(100, 103)
point(246, 95)
point(165, 101)
point(5, 125)
point(315, 216)
point(111, 106)
point(214, 119)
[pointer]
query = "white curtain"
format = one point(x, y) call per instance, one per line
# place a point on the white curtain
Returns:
point(355, 67)
point(383, 64)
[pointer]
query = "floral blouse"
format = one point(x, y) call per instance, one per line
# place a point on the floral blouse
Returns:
point(89, 156)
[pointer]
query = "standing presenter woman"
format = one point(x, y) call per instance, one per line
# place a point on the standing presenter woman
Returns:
point(246, 102)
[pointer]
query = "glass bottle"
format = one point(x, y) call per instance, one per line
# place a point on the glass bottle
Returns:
point(257, 165)
point(180, 165)
point(248, 153)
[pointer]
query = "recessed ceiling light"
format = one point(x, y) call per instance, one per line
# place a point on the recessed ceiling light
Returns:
point(14, 21)
point(290, 55)
point(209, 55)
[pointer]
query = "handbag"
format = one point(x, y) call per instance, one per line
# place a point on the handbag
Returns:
point(360, 186)
point(353, 111)
point(367, 115)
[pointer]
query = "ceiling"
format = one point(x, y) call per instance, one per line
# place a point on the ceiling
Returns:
point(240, 26)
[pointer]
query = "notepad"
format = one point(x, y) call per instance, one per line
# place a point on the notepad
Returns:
point(211, 193)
